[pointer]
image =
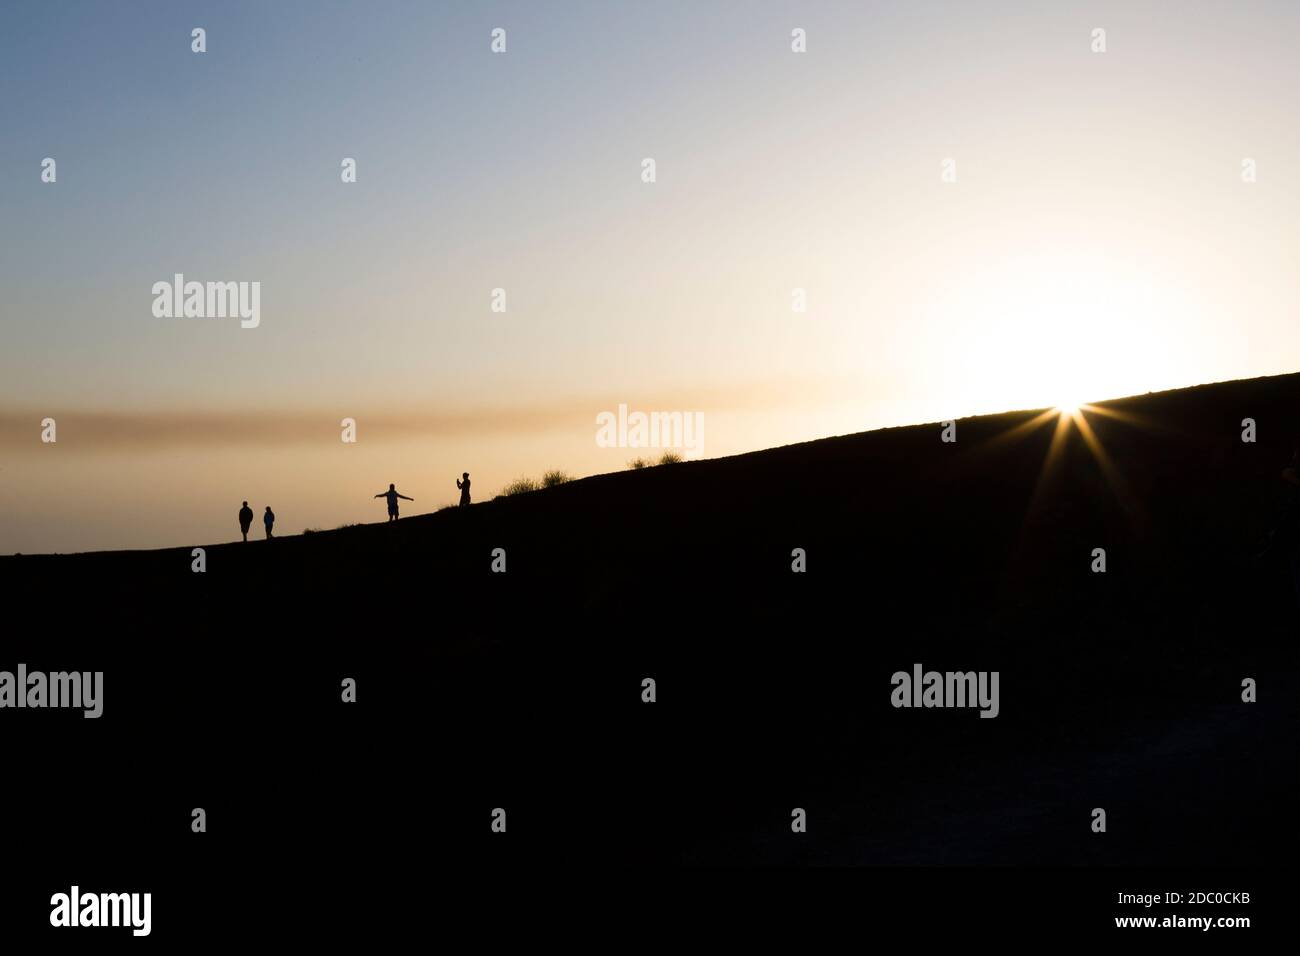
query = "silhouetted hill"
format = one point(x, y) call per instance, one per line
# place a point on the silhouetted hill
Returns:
point(1198, 501)
point(478, 689)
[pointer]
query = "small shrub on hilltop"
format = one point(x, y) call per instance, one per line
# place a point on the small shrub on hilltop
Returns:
point(667, 458)
point(555, 477)
point(520, 486)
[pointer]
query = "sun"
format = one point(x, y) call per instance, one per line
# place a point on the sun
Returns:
point(1073, 412)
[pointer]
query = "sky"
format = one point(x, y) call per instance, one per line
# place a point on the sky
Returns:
point(980, 213)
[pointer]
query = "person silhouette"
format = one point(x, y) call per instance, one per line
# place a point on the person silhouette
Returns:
point(464, 489)
point(392, 496)
point(245, 520)
point(268, 519)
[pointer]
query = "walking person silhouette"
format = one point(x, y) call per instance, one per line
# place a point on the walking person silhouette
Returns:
point(392, 496)
point(245, 520)
point(464, 489)
point(268, 519)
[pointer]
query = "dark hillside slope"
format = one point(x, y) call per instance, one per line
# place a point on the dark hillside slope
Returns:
point(522, 690)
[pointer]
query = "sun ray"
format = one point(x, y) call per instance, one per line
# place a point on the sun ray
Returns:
point(1053, 457)
point(1066, 415)
point(1108, 468)
point(1023, 428)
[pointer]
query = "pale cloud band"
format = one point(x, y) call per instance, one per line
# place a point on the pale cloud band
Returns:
point(83, 429)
